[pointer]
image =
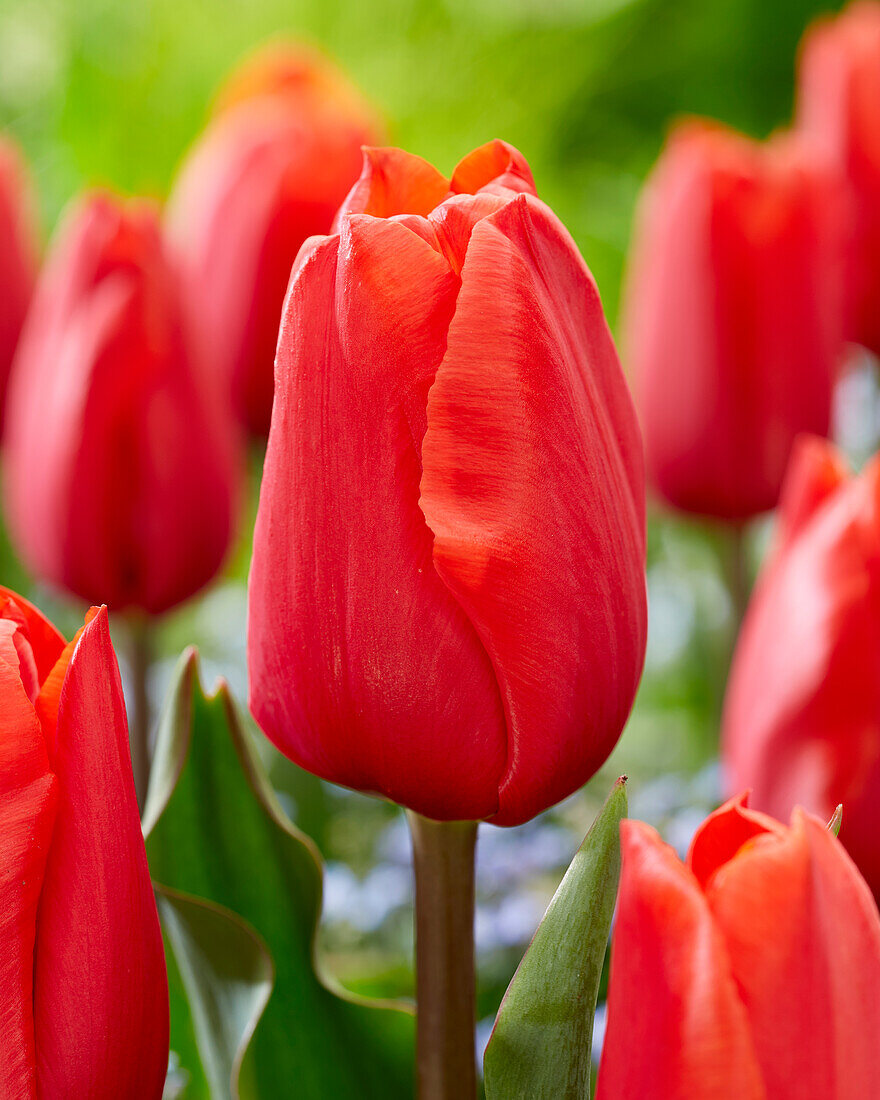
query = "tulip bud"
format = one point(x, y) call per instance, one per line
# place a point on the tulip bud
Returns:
point(83, 991)
point(733, 315)
point(270, 170)
point(447, 595)
point(749, 972)
point(119, 468)
point(839, 107)
point(18, 255)
point(803, 701)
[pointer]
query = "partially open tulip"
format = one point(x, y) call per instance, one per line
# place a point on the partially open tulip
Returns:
point(750, 972)
point(802, 713)
point(839, 107)
point(733, 314)
point(447, 595)
point(270, 170)
point(83, 991)
point(18, 255)
point(119, 466)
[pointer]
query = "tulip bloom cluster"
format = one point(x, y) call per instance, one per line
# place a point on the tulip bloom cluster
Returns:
point(733, 314)
point(802, 713)
point(447, 596)
point(120, 468)
point(272, 168)
point(83, 992)
point(749, 973)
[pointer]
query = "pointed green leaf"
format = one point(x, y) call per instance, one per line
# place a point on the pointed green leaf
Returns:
point(216, 832)
point(227, 974)
point(540, 1046)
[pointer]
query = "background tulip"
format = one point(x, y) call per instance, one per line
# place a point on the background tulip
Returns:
point(119, 467)
point(733, 314)
point(446, 601)
point(802, 712)
point(747, 973)
point(18, 255)
point(83, 991)
point(270, 170)
point(839, 107)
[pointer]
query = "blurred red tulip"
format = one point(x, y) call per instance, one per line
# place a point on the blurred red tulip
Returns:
point(270, 171)
point(447, 596)
point(839, 106)
point(802, 713)
point(83, 991)
point(18, 255)
point(120, 470)
point(750, 972)
point(733, 315)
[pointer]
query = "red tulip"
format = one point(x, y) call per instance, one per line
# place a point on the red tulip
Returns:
point(839, 106)
point(750, 972)
point(733, 315)
point(18, 255)
point(119, 469)
point(802, 713)
point(447, 601)
point(271, 170)
point(83, 992)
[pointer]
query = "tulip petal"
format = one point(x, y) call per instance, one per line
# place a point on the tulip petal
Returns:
point(27, 809)
point(532, 486)
point(815, 470)
point(101, 1002)
point(803, 936)
point(45, 640)
point(722, 835)
point(346, 613)
point(393, 181)
point(497, 163)
point(677, 1028)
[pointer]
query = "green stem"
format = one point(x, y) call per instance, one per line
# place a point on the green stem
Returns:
point(140, 656)
point(443, 857)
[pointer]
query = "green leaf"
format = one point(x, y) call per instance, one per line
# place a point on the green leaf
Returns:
point(540, 1046)
point(216, 832)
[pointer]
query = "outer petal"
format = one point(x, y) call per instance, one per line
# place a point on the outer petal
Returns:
point(394, 182)
point(533, 488)
point(677, 1029)
point(816, 470)
point(27, 810)
point(803, 936)
point(101, 999)
point(802, 711)
point(363, 668)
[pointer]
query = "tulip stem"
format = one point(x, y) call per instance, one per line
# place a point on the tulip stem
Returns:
point(140, 657)
point(443, 857)
point(738, 575)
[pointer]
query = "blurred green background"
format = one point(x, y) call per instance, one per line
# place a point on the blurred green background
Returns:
point(110, 93)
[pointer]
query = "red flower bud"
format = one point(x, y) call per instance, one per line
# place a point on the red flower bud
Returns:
point(18, 255)
point(447, 597)
point(733, 314)
point(749, 972)
point(839, 106)
point(83, 991)
point(802, 713)
point(270, 170)
point(120, 471)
